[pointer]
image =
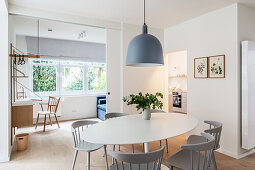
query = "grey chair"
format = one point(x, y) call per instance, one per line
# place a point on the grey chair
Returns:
point(194, 156)
point(81, 145)
point(215, 130)
point(137, 161)
point(114, 115)
point(160, 111)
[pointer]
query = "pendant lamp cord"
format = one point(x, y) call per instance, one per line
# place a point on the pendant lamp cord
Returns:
point(144, 11)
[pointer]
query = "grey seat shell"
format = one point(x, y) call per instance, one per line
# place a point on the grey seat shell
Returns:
point(215, 130)
point(194, 156)
point(137, 161)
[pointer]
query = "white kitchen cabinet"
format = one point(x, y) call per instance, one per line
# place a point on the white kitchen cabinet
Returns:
point(184, 102)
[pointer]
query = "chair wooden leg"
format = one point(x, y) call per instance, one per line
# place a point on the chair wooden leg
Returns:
point(160, 143)
point(133, 149)
point(57, 120)
point(214, 161)
point(106, 159)
point(74, 158)
point(44, 123)
point(119, 147)
point(143, 147)
point(166, 146)
point(88, 160)
point(37, 121)
point(50, 120)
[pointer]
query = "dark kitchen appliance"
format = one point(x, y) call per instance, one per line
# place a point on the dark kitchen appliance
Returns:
point(177, 99)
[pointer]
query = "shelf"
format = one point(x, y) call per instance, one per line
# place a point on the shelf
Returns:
point(177, 76)
point(20, 76)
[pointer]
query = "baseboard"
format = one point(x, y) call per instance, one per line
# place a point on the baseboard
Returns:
point(5, 159)
point(234, 155)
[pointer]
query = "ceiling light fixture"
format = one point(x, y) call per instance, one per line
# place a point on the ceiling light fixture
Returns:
point(144, 50)
point(82, 34)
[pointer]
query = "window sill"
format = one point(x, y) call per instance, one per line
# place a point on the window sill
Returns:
point(72, 95)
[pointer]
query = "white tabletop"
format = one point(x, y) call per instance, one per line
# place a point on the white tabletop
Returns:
point(133, 129)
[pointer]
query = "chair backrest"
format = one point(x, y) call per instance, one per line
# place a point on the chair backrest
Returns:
point(112, 115)
point(150, 160)
point(53, 104)
point(78, 127)
point(157, 111)
point(215, 130)
point(200, 154)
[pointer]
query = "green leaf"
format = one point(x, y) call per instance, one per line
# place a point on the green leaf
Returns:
point(144, 101)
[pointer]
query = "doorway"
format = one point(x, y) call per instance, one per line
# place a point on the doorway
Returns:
point(177, 81)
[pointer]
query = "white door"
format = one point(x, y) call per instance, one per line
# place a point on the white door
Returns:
point(113, 58)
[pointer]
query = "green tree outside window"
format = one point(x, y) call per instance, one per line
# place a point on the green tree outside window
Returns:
point(44, 78)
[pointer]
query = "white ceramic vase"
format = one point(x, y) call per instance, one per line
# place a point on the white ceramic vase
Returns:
point(146, 114)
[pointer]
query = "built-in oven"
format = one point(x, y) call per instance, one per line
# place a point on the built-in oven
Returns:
point(177, 99)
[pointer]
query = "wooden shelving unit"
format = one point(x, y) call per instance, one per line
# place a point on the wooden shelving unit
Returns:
point(22, 115)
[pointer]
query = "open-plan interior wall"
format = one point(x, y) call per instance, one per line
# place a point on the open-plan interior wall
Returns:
point(216, 99)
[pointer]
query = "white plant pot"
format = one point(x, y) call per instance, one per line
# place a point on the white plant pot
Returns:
point(146, 114)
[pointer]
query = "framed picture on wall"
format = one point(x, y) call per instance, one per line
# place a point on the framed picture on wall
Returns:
point(217, 66)
point(201, 67)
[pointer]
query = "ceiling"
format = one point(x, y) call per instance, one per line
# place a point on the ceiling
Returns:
point(159, 13)
point(27, 26)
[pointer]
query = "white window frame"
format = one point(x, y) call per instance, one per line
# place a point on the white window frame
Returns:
point(74, 92)
point(59, 78)
point(95, 91)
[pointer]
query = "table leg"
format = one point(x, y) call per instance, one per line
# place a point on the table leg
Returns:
point(147, 147)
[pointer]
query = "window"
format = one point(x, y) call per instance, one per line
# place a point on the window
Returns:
point(64, 77)
point(96, 77)
point(44, 76)
point(73, 78)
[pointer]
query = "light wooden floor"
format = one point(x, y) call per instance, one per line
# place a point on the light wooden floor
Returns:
point(53, 150)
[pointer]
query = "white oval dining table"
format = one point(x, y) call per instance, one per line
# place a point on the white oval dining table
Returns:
point(132, 129)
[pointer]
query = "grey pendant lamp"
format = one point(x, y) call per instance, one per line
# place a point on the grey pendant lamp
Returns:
point(144, 50)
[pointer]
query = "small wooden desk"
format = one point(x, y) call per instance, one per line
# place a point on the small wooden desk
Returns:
point(22, 115)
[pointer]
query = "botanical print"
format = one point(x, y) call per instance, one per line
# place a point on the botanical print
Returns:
point(217, 66)
point(200, 67)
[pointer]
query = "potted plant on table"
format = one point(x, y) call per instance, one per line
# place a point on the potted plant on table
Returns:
point(145, 102)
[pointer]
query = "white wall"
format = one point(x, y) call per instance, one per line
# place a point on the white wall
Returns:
point(246, 23)
point(77, 107)
point(114, 72)
point(212, 99)
point(177, 64)
point(142, 79)
point(72, 107)
point(5, 118)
